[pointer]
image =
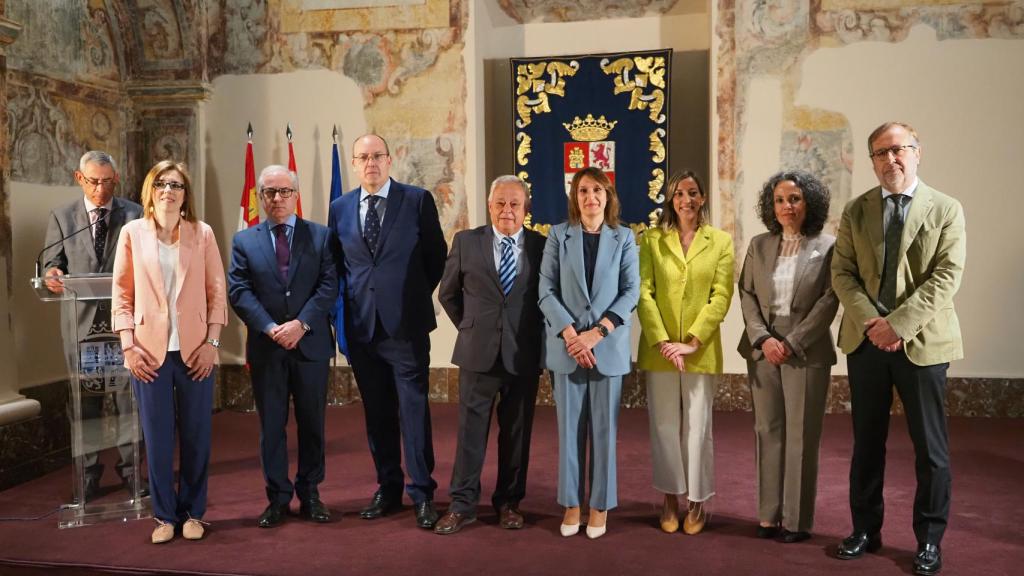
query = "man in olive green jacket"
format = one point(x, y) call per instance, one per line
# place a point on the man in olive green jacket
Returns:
point(899, 257)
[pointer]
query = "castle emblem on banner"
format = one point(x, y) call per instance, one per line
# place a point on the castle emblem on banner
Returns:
point(590, 147)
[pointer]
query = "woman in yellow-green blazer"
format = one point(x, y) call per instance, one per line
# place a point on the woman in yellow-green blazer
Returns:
point(686, 285)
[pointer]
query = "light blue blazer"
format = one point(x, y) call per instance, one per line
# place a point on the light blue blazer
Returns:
point(564, 298)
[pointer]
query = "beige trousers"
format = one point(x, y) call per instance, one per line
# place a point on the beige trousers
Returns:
point(789, 406)
point(679, 404)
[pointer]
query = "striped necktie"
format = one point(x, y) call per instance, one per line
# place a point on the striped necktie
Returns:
point(507, 267)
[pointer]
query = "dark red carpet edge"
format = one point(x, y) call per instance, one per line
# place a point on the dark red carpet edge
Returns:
point(985, 534)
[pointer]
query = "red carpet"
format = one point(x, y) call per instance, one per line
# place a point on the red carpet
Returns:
point(985, 534)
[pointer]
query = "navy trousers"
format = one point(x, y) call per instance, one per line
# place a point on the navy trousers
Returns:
point(176, 403)
point(393, 380)
point(277, 375)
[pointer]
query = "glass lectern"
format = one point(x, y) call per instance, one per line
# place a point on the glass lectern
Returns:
point(102, 413)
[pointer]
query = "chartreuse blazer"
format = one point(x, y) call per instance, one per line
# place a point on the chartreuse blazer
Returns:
point(684, 294)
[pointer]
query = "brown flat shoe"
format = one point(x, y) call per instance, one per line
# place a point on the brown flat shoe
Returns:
point(695, 519)
point(670, 514)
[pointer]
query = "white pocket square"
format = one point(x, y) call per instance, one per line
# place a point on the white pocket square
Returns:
point(814, 255)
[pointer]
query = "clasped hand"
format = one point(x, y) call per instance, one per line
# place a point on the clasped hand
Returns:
point(580, 345)
point(676, 352)
point(287, 335)
point(881, 334)
point(775, 351)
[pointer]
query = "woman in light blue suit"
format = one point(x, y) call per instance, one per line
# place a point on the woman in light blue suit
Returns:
point(589, 287)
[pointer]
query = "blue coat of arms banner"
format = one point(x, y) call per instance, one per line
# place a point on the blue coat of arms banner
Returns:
point(606, 110)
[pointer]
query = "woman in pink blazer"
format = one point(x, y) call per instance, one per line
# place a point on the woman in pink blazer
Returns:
point(169, 304)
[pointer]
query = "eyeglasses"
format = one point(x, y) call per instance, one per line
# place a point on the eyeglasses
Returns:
point(161, 184)
point(269, 193)
point(364, 158)
point(97, 182)
point(897, 151)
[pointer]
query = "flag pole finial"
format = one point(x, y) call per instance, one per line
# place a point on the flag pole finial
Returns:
point(288, 132)
point(248, 131)
point(334, 134)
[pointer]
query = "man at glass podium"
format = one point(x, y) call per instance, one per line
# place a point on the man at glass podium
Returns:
point(99, 216)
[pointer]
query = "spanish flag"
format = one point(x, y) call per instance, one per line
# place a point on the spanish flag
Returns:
point(295, 171)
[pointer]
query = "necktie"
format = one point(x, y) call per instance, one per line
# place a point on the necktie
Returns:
point(893, 238)
point(371, 227)
point(284, 253)
point(99, 238)
point(507, 266)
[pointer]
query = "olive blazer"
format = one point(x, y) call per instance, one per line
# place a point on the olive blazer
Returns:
point(684, 294)
point(932, 254)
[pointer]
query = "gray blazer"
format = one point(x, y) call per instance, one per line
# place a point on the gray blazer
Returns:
point(564, 298)
point(489, 322)
point(814, 303)
point(76, 255)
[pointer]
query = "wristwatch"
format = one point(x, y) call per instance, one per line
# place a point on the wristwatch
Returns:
point(602, 329)
point(213, 342)
point(305, 327)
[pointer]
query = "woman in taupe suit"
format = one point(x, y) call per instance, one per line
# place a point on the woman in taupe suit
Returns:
point(788, 306)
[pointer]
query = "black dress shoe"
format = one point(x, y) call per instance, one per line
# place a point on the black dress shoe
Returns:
point(452, 522)
point(426, 515)
point(273, 515)
point(767, 532)
point(788, 537)
point(379, 506)
point(314, 510)
point(928, 560)
point(856, 544)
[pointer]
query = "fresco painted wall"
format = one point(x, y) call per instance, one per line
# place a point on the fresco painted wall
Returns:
point(800, 84)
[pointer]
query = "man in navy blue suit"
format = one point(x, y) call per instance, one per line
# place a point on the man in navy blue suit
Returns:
point(392, 258)
point(282, 283)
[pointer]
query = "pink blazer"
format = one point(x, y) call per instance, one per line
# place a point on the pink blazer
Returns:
point(139, 302)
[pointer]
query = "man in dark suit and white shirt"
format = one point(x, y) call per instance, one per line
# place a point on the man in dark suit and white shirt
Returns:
point(898, 261)
point(489, 290)
point(282, 283)
point(392, 257)
point(92, 252)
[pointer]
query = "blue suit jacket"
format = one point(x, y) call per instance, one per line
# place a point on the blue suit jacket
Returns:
point(260, 296)
point(564, 298)
point(395, 283)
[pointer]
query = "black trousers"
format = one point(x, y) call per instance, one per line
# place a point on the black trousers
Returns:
point(516, 398)
point(873, 374)
point(278, 374)
point(393, 380)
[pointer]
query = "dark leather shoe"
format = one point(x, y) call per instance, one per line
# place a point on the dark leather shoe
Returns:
point(426, 514)
point(856, 544)
point(314, 510)
point(767, 532)
point(788, 537)
point(126, 482)
point(273, 515)
point(928, 560)
point(451, 523)
point(92, 488)
point(510, 518)
point(379, 506)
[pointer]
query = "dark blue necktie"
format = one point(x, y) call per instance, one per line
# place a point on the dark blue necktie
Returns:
point(371, 227)
point(507, 266)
